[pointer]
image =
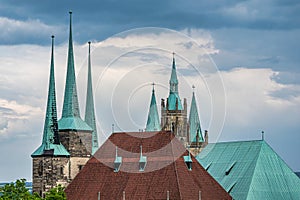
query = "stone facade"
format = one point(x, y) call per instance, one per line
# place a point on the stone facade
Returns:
point(195, 149)
point(48, 172)
point(175, 121)
point(79, 145)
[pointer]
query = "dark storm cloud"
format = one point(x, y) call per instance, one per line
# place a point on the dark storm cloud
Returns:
point(101, 19)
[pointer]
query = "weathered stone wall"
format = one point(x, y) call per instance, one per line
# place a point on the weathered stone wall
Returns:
point(48, 172)
point(176, 121)
point(78, 143)
point(76, 164)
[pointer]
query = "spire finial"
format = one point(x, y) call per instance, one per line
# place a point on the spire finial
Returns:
point(173, 55)
point(193, 87)
point(89, 42)
point(153, 84)
point(262, 135)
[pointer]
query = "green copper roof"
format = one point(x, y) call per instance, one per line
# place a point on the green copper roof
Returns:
point(51, 144)
point(194, 122)
point(71, 106)
point(173, 78)
point(173, 95)
point(153, 123)
point(89, 107)
point(250, 170)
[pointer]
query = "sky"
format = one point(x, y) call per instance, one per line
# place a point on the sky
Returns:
point(242, 56)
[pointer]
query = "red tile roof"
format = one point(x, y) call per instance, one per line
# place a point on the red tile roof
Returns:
point(165, 171)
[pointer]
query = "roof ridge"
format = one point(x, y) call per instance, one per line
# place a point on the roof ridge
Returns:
point(236, 141)
point(259, 154)
point(175, 166)
point(282, 161)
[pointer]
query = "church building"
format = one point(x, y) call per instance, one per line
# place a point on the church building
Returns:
point(170, 160)
point(70, 142)
point(174, 116)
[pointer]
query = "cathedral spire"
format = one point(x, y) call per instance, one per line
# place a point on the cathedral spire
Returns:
point(50, 143)
point(153, 122)
point(89, 107)
point(174, 102)
point(173, 80)
point(71, 115)
point(70, 107)
point(194, 122)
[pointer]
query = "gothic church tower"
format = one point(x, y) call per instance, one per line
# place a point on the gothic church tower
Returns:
point(173, 115)
point(70, 142)
point(51, 160)
point(74, 133)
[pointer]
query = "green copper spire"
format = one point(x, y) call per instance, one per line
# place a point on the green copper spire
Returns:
point(153, 123)
point(71, 115)
point(50, 144)
point(174, 99)
point(89, 107)
point(194, 122)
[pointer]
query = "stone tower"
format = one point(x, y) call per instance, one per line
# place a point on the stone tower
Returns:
point(173, 115)
point(74, 133)
point(51, 160)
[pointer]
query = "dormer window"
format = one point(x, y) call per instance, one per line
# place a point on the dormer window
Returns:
point(117, 162)
point(228, 170)
point(143, 161)
point(188, 161)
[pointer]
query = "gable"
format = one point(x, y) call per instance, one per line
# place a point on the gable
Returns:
point(165, 172)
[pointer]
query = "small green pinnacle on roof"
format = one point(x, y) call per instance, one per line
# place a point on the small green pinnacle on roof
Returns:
point(71, 115)
point(51, 145)
point(153, 123)
point(194, 122)
point(174, 99)
point(89, 108)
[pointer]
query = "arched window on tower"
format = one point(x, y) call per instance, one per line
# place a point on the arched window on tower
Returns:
point(40, 169)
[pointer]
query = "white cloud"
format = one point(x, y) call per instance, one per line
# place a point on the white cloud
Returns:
point(13, 30)
point(123, 71)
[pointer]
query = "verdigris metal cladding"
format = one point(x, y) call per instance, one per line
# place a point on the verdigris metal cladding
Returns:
point(71, 119)
point(173, 98)
point(153, 122)
point(89, 107)
point(250, 170)
point(194, 123)
point(50, 144)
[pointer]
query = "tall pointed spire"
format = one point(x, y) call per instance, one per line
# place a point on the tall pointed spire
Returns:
point(50, 143)
point(70, 107)
point(71, 115)
point(174, 101)
point(89, 107)
point(194, 122)
point(173, 80)
point(153, 123)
